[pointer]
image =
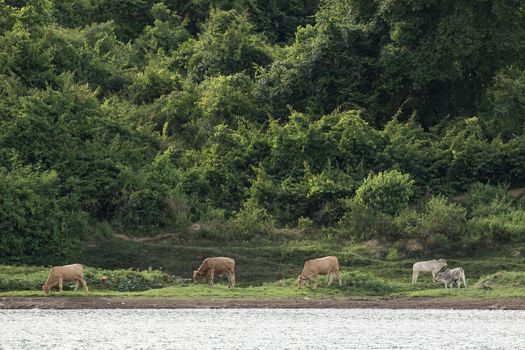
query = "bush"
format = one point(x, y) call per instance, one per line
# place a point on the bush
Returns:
point(494, 216)
point(387, 192)
point(364, 223)
point(252, 220)
point(304, 224)
point(483, 194)
point(508, 227)
point(152, 197)
point(126, 280)
point(443, 218)
point(408, 223)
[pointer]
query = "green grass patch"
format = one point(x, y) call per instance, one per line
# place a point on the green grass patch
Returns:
point(269, 270)
point(14, 278)
point(502, 280)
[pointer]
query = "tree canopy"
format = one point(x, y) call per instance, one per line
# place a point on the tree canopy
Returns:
point(158, 114)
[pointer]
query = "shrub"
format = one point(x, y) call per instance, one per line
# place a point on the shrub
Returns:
point(152, 197)
point(483, 194)
point(364, 223)
point(304, 224)
point(443, 218)
point(252, 220)
point(126, 280)
point(387, 192)
point(508, 227)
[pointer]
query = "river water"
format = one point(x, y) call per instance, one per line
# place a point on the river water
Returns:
point(262, 329)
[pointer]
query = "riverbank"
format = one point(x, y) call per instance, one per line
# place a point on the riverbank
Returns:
point(291, 303)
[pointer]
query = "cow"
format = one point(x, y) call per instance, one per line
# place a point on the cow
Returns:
point(68, 273)
point(432, 266)
point(217, 265)
point(451, 276)
point(329, 265)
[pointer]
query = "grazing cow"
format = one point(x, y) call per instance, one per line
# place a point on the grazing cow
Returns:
point(451, 276)
point(329, 265)
point(217, 265)
point(68, 273)
point(432, 266)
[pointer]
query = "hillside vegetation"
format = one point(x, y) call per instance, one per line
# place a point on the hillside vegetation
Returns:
point(259, 121)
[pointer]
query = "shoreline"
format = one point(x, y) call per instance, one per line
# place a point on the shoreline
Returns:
point(74, 303)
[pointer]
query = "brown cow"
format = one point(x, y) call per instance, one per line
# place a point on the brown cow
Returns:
point(66, 273)
point(217, 265)
point(329, 265)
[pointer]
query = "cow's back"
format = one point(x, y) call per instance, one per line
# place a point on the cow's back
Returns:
point(426, 265)
point(321, 265)
point(221, 264)
point(66, 272)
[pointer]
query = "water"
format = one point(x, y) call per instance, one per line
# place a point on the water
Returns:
point(262, 329)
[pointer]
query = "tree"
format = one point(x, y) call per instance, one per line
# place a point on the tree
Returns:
point(228, 44)
point(328, 67)
point(167, 32)
point(439, 57)
point(34, 227)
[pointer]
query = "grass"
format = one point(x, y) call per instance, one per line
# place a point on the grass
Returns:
point(355, 284)
point(269, 270)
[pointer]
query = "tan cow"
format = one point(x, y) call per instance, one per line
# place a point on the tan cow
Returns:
point(329, 265)
point(218, 265)
point(68, 273)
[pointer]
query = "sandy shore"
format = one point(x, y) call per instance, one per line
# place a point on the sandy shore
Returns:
point(216, 303)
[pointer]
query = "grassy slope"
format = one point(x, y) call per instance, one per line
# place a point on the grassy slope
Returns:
point(268, 270)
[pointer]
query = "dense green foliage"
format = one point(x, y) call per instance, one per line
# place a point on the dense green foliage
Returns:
point(230, 119)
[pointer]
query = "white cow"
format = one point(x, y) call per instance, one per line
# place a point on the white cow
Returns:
point(451, 276)
point(432, 266)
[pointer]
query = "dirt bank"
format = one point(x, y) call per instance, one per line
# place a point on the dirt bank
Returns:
point(215, 303)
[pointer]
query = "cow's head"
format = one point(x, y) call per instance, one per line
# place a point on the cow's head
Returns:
point(197, 276)
point(45, 288)
point(301, 280)
point(442, 262)
point(439, 277)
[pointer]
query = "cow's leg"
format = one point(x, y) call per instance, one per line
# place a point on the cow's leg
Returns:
point(314, 279)
point(76, 285)
point(464, 281)
point(84, 284)
point(414, 276)
point(330, 278)
point(339, 278)
point(231, 280)
point(60, 283)
point(210, 277)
